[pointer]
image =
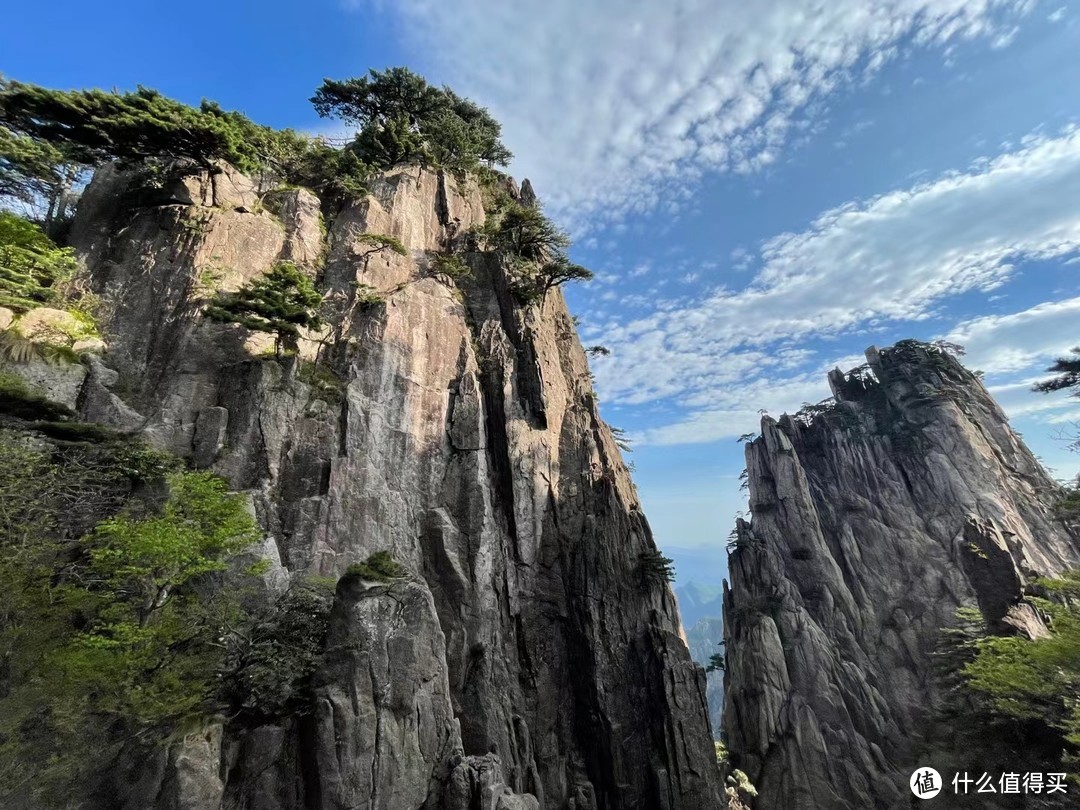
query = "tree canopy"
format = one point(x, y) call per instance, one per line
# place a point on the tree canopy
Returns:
point(537, 246)
point(1011, 702)
point(281, 302)
point(49, 138)
point(30, 264)
point(400, 117)
point(1067, 374)
point(124, 613)
point(93, 126)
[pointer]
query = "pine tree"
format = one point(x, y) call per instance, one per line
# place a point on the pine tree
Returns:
point(401, 117)
point(30, 264)
point(280, 303)
point(1067, 370)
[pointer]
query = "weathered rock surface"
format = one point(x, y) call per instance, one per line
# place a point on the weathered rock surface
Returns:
point(526, 657)
point(705, 639)
point(384, 723)
point(872, 523)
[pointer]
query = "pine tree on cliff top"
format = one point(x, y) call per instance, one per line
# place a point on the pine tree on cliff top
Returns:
point(280, 303)
point(401, 117)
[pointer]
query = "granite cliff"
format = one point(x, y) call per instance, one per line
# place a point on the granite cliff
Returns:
point(525, 660)
point(874, 518)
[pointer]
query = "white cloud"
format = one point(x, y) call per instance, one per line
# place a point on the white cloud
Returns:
point(616, 106)
point(896, 258)
point(1017, 400)
point(1017, 342)
point(893, 258)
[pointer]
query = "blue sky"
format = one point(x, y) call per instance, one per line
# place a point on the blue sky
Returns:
point(764, 189)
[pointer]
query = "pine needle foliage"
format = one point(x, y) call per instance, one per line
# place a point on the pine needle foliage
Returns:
point(1067, 374)
point(280, 303)
point(401, 118)
point(31, 264)
point(655, 568)
point(379, 567)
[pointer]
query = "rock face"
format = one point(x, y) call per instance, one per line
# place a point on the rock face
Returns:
point(705, 639)
point(526, 662)
point(873, 521)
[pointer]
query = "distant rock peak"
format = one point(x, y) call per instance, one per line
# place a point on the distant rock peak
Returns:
point(875, 516)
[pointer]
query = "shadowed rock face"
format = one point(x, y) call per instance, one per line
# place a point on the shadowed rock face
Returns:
point(872, 523)
point(525, 661)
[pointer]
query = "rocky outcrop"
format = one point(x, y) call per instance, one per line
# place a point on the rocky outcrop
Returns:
point(873, 521)
point(705, 640)
point(525, 661)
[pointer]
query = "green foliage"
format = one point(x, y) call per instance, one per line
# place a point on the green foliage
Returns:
point(560, 271)
point(655, 568)
point(32, 169)
point(453, 267)
point(380, 242)
point(494, 190)
point(1034, 680)
point(326, 383)
point(336, 175)
point(48, 136)
point(365, 296)
point(379, 567)
point(391, 143)
point(598, 351)
point(622, 441)
point(524, 231)
point(810, 412)
point(113, 638)
point(142, 463)
point(93, 126)
point(149, 558)
point(1067, 374)
point(740, 782)
point(536, 247)
point(717, 663)
point(280, 303)
point(401, 118)
point(270, 661)
point(721, 752)
point(31, 265)
point(1016, 700)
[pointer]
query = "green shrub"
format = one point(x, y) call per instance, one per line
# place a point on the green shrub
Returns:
point(113, 638)
point(380, 242)
point(453, 267)
point(31, 265)
point(326, 383)
point(1011, 702)
point(379, 567)
point(280, 303)
point(402, 118)
point(367, 297)
point(266, 674)
point(655, 568)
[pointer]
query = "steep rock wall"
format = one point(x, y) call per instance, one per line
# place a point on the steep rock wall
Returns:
point(464, 439)
point(872, 523)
